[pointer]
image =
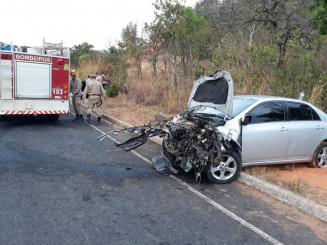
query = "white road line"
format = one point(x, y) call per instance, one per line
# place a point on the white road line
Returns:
point(229, 213)
point(207, 199)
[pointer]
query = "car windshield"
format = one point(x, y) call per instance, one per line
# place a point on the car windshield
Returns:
point(239, 105)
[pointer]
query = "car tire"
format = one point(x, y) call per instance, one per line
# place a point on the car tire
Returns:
point(319, 159)
point(228, 169)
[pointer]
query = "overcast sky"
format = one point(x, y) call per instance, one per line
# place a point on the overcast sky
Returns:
point(98, 22)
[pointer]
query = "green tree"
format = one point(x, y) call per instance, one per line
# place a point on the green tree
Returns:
point(79, 52)
point(191, 36)
point(168, 14)
point(285, 20)
point(133, 44)
point(154, 42)
point(279, 20)
point(115, 60)
point(319, 10)
point(180, 30)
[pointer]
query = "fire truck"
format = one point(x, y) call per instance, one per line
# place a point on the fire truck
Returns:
point(34, 80)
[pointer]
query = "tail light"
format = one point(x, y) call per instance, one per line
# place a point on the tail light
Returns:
point(65, 89)
point(61, 62)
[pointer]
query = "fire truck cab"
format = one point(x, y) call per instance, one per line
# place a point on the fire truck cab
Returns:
point(34, 81)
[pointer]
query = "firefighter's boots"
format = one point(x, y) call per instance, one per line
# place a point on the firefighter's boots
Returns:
point(99, 120)
point(80, 118)
point(88, 120)
point(76, 118)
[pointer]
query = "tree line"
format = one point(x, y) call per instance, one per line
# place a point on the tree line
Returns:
point(276, 47)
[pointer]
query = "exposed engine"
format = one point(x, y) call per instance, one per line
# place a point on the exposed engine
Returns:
point(193, 142)
point(197, 138)
point(190, 141)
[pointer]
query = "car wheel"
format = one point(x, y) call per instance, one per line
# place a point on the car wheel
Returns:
point(228, 169)
point(319, 159)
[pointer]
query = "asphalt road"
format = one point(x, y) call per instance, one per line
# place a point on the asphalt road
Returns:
point(60, 185)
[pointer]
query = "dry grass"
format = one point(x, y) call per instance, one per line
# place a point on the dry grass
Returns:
point(86, 69)
point(165, 91)
point(162, 94)
point(299, 186)
point(126, 110)
point(264, 173)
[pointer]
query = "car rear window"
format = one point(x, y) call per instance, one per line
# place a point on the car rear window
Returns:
point(301, 112)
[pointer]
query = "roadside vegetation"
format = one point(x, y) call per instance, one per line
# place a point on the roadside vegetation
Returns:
point(271, 47)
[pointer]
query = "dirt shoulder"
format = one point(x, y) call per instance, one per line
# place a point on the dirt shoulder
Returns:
point(308, 182)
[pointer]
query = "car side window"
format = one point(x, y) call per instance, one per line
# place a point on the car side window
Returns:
point(272, 111)
point(301, 112)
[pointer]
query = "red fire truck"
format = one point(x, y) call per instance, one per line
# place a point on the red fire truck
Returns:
point(34, 81)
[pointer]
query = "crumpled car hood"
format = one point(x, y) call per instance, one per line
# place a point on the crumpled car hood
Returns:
point(214, 91)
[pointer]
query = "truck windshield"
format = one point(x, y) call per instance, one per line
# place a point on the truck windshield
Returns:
point(239, 105)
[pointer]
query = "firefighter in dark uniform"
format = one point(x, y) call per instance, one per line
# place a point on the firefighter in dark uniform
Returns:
point(76, 92)
point(95, 91)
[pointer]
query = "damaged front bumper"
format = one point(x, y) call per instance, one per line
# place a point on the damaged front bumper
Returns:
point(144, 133)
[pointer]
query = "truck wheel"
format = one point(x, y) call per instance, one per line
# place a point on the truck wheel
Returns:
point(228, 169)
point(52, 118)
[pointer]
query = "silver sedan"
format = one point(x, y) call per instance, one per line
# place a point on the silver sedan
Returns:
point(274, 130)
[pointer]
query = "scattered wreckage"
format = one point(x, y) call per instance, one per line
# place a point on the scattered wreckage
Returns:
point(194, 139)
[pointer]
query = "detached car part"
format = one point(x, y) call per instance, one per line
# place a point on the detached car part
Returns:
point(191, 139)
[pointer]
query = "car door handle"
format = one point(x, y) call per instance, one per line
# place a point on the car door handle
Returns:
point(319, 127)
point(283, 129)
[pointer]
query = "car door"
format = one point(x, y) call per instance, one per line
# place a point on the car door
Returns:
point(264, 138)
point(305, 130)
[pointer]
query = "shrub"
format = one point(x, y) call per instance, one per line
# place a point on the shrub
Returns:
point(112, 90)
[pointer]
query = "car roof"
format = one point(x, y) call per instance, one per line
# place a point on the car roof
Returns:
point(267, 97)
point(262, 98)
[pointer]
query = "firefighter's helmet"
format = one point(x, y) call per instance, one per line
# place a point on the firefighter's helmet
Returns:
point(73, 72)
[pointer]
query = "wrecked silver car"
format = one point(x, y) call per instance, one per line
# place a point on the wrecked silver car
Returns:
point(191, 139)
point(219, 133)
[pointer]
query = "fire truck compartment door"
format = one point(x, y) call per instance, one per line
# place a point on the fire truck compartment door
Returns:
point(33, 80)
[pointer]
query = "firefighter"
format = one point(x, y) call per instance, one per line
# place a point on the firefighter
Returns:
point(95, 91)
point(76, 93)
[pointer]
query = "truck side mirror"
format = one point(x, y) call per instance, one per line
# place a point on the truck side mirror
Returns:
point(245, 120)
